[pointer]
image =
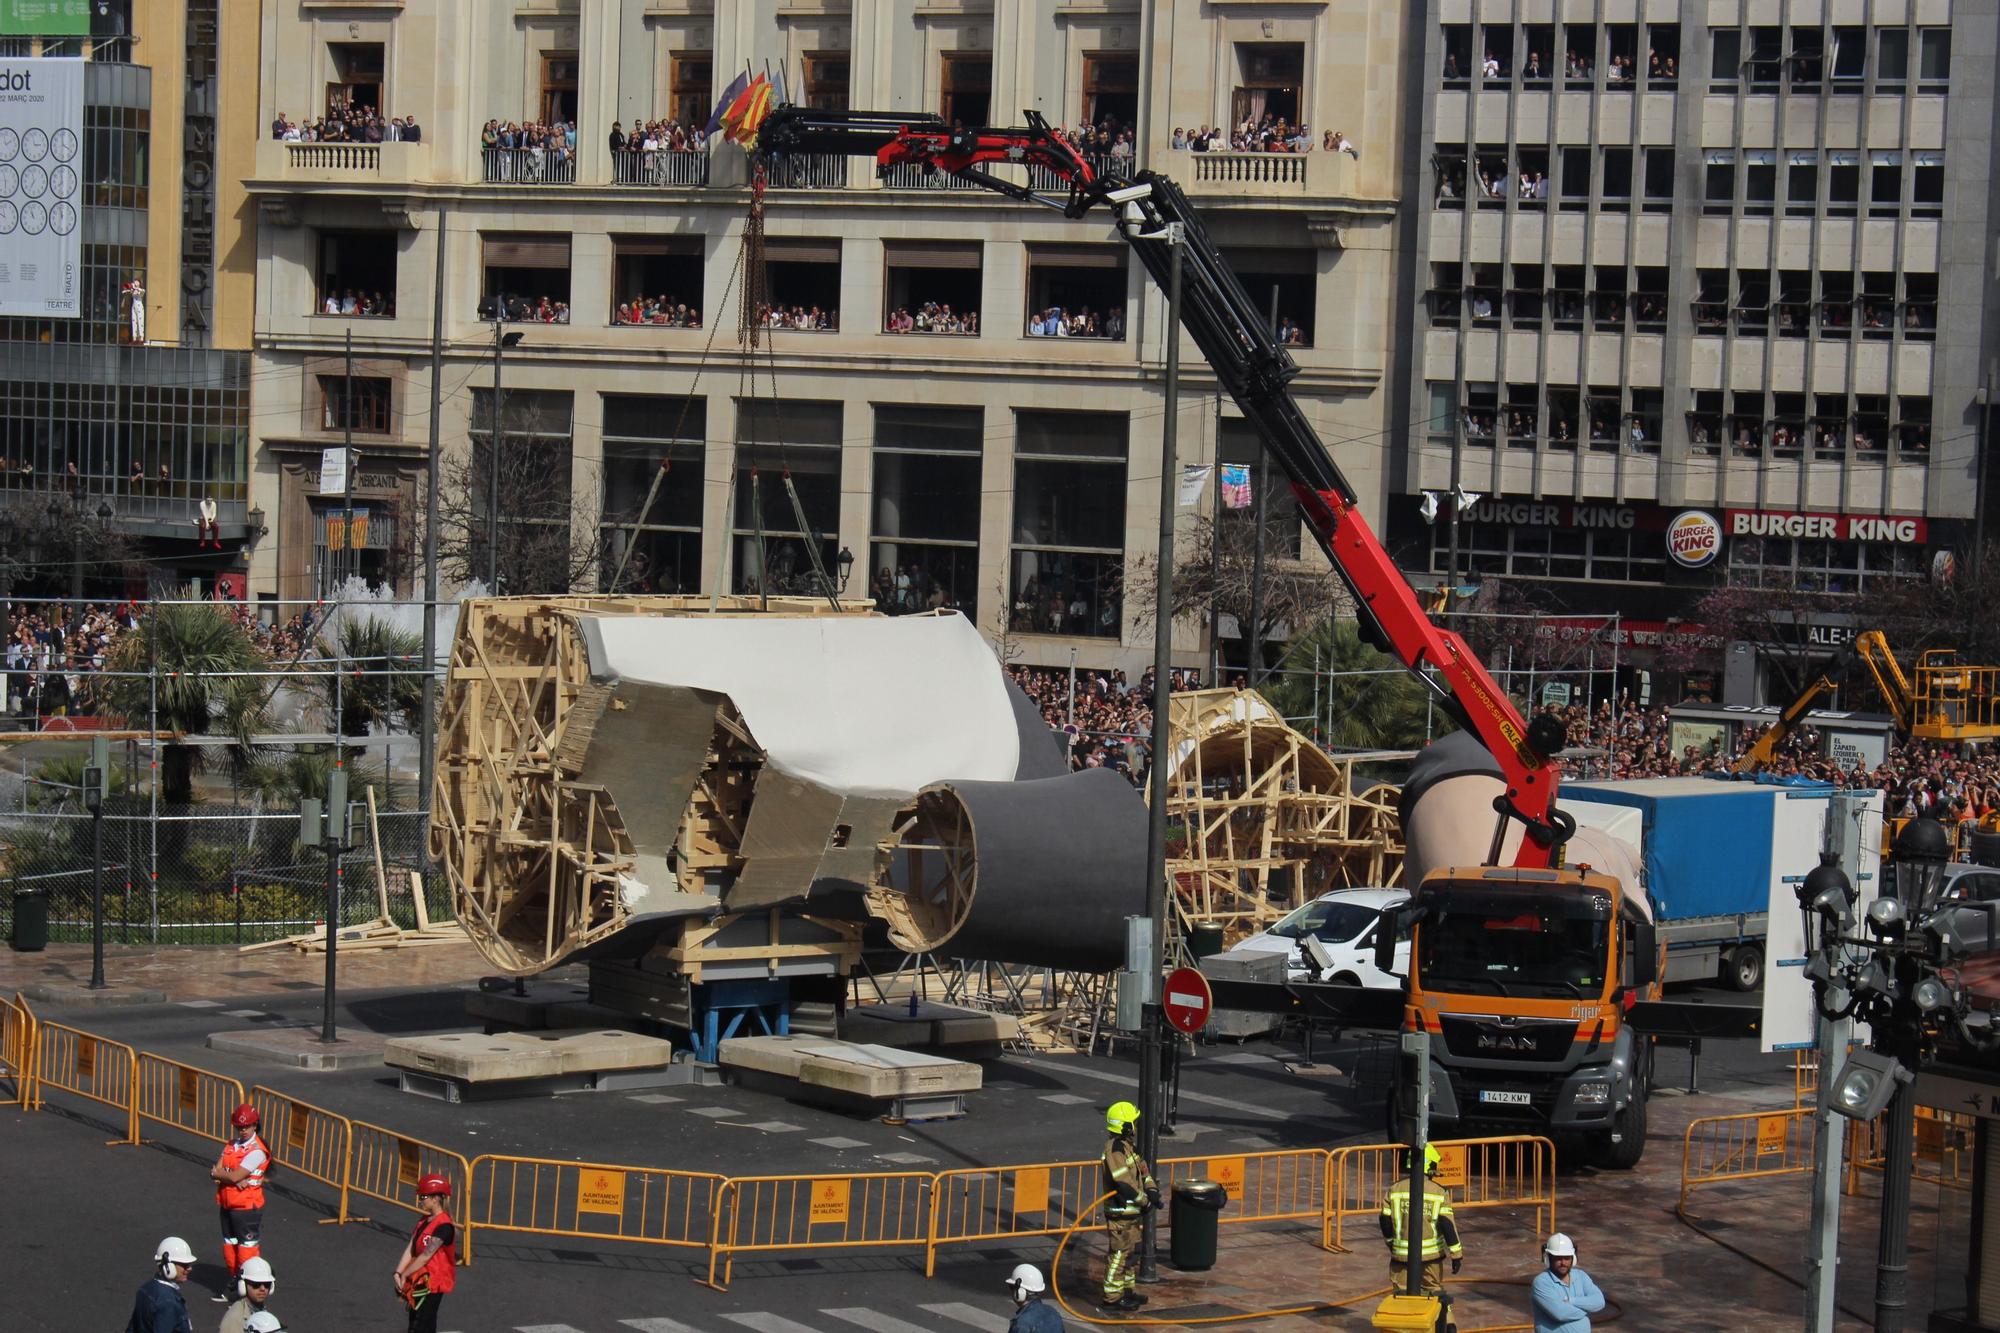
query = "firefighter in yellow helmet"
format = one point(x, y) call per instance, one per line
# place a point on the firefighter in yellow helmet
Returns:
point(1129, 1181)
point(1439, 1228)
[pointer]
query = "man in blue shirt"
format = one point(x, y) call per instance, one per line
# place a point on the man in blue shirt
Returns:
point(1031, 1315)
point(159, 1306)
point(1564, 1295)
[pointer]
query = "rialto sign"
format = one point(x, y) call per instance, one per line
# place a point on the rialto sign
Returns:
point(1889, 530)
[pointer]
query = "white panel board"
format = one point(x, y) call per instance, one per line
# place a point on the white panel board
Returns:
point(1856, 819)
point(41, 188)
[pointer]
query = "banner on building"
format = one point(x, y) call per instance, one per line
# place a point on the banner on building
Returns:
point(1194, 479)
point(1236, 485)
point(45, 18)
point(41, 192)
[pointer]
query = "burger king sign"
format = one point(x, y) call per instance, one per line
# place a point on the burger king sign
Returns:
point(1694, 538)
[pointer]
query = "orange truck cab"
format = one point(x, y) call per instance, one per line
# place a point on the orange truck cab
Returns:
point(1523, 978)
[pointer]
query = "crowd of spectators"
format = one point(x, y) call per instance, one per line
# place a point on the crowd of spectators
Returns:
point(56, 650)
point(648, 154)
point(348, 124)
point(673, 313)
point(931, 317)
point(1266, 134)
point(809, 319)
point(514, 308)
point(1918, 777)
point(529, 153)
point(1059, 322)
point(1109, 721)
point(381, 305)
point(908, 589)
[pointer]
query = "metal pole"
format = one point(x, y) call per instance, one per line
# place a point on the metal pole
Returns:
point(1257, 502)
point(1070, 720)
point(351, 562)
point(96, 888)
point(332, 840)
point(426, 739)
point(493, 447)
point(1418, 1045)
point(1979, 489)
point(1151, 1103)
point(1823, 1240)
point(1892, 1249)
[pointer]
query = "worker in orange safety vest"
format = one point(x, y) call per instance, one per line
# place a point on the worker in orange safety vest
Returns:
point(239, 1193)
point(429, 1267)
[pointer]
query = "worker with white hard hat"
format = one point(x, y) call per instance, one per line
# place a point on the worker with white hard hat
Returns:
point(1565, 1298)
point(1031, 1313)
point(258, 1284)
point(159, 1307)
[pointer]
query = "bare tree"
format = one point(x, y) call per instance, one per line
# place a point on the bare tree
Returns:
point(1217, 576)
point(1773, 619)
point(1951, 609)
point(547, 540)
point(60, 540)
point(1006, 642)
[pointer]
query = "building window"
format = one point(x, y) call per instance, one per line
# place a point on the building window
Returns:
point(1663, 55)
point(524, 277)
point(1767, 58)
point(1069, 523)
point(1447, 295)
point(1920, 292)
point(966, 88)
point(360, 404)
point(1617, 187)
point(1111, 91)
point(1726, 58)
point(534, 546)
point(1481, 412)
point(1843, 184)
point(924, 524)
point(357, 273)
point(1601, 555)
point(1240, 444)
point(826, 80)
point(1794, 304)
point(1718, 192)
point(690, 92)
point(1760, 182)
point(354, 541)
point(1807, 59)
point(1711, 300)
point(1566, 297)
point(1753, 304)
point(559, 83)
point(1524, 296)
point(1927, 185)
point(1521, 417)
point(1815, 565)
point(656, 280)
point(1892, 59)
point(1706, 430)
point(1885, 184)
point(802, 281)
point(649, 439)
point(1836, 305)
point(113, 276)
point(357, 77)
point(1579, 56)
point(1659, 180)
point(1497, 52)
point(1575, 179)
point(1913, 426)
point(1281, 283)
point(800, 441)
point(1933, 60)
point(931, 287)
point(1538, 63)
point(1449, 164)
point(1801, 183)
point(1457, 66)
point(1270, 78)
point(117, 156)
point(1076, 291)
point(1850, 59)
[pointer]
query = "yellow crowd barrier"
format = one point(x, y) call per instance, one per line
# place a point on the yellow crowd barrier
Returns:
point(1942, 1149)
point(1511, 1171)
point(1285, 1185)
point(17, 1053)
point(759, 1213)
point(185, 1098)
point(550, 1198)
point(385, 1165)
point(306, 1140)
point(1720, 1148)
point(88, 1066)
point(990, 1203)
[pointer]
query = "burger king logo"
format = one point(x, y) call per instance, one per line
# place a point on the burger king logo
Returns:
point(1694, 538)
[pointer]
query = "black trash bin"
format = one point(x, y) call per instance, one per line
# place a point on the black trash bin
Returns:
point(1197, 1215)
point(31, 921)
point(1205, 940)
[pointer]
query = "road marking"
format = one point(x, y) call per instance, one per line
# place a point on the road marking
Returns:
point(971, 1314)
point(717, 1112)
point(903, 1158)
point(199, 1004)
point(769, 1323)
point(1063, 1098)
point(243, 1013)
point(658, 1326)
point(546, 1328)
point(773, 1127)
point(839, 1144)
point(1125, 1080)
point(873, 1321)
point(655, 1099)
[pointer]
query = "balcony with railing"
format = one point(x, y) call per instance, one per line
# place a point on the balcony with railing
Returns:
point(343, 163)
point(527, 166)
point(661, 169)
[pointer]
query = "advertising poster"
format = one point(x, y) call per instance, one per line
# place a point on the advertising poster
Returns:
point(41, 191)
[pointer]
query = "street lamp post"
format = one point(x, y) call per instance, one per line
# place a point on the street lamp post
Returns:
point(95, 777)
point(502, 340)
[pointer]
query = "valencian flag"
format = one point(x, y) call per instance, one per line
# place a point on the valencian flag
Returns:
point(729, 95)
point(336, 531)
point(747, 112)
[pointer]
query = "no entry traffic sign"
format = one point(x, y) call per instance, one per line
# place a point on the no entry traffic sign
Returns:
point(1189, 999)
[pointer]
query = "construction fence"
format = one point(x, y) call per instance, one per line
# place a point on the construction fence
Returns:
point(716, 1217)
point(1755, 1145)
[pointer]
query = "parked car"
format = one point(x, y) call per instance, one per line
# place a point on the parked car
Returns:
point(1344, 921)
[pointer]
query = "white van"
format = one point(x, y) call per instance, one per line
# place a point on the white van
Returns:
point(1344, 921)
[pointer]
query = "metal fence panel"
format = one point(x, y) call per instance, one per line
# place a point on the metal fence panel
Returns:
point(186, 1098)
point(551, 1198)
point(873, 1210)
point(88, 1066)
point(17, 1053)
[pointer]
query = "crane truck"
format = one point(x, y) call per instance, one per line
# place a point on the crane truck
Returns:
point(1580, 956)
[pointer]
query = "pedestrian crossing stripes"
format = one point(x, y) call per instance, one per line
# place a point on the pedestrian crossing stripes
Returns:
point(938, 1317)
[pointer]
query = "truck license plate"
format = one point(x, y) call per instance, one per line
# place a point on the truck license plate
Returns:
point(1503, 1098)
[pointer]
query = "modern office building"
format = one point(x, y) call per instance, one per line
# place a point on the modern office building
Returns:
point(129, 418)
point(1011, 474)
point(1707, 296)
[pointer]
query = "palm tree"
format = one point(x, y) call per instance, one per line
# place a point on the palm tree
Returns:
point(1382, 711)
point(187, 663)
point(385, 685)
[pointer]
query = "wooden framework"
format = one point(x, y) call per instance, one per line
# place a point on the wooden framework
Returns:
point(539, 862)
point(1261, 821)
point(926, 873)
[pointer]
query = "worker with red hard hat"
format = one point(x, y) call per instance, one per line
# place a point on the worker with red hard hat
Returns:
point(428, 1270)
point(239, 1193)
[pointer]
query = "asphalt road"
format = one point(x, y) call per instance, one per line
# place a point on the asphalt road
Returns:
point(81, 1219)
